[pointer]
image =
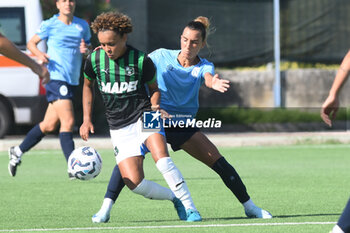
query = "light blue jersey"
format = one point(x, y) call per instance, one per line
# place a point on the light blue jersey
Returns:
point(63, 43)
point(179, 86)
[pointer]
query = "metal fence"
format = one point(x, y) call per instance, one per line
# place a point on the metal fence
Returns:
point(311, 31)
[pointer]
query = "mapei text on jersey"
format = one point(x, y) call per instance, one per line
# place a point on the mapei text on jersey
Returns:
point(119, 88)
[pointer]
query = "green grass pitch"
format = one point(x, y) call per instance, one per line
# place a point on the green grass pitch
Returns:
point(305, 187)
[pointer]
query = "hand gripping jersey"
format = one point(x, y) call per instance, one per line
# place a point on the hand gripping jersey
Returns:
point(179, 86)
point(63, 43)
point(122, 84)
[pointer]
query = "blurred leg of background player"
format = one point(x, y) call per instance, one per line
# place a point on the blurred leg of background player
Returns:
point(343, 225)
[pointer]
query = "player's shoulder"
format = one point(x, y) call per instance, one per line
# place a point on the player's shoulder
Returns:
point(160, 51)
point(80, 24)
point(95, 54)
point(98, 49)
point(163, 53)
point(49, 21)
point(139, 53)
point(80, 21)
point(132, 48)
point(206, 62)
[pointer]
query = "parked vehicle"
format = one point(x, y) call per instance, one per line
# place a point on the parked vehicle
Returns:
point(22, 97)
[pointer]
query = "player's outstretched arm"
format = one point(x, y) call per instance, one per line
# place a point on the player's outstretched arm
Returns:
point(216, 83)
point(87, 126)
point(8, 49)
point(331, 105)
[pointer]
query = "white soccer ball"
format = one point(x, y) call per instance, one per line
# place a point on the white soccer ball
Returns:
point(84, 163)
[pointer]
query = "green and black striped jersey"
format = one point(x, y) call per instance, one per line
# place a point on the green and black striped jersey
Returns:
point(122, 84)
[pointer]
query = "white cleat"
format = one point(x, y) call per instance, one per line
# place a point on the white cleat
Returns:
point(257, 212)
point(100, 218)
point(14, 161)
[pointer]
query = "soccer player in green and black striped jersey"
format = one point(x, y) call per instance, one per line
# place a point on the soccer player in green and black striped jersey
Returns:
point(122, 72)
point(122, 83)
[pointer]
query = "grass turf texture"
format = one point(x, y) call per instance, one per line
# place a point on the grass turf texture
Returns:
point(297, 184)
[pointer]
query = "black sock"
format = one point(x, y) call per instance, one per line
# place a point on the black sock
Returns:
point(67, 143)
point(344, 220)
point(32, 138)
point(231, 179)
point(115, 185)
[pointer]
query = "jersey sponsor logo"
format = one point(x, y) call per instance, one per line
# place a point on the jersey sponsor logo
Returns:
point(118, 88)
point(129, 71)
point(195, 72)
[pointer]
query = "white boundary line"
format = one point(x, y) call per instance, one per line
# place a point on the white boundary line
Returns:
point(170, 226)
point(40, 152)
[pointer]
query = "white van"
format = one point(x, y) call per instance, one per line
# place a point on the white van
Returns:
point(22, 97)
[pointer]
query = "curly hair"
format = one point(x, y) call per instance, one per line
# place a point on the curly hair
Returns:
point(113, 21)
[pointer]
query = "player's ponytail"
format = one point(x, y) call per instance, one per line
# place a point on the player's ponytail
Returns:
point(205, 21)
point(202, 24)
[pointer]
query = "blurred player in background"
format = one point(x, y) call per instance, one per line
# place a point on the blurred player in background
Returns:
point(328, 113)
point(67, 40)
point(180, 74)
point(122, 72)
point(8, 49)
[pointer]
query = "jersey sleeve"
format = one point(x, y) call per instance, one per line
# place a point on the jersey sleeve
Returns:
point(88, 69)
point(43, 31)
point(155, 55)
point(87, 33)
point(149, 71)
point(208, 68)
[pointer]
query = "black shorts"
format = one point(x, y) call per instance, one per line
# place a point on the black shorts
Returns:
point(176, 136)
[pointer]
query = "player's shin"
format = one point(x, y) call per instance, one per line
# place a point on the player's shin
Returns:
point(115, 185)
point(175, 181)
point(67, 143)
point(231, 179)
point(32, 138)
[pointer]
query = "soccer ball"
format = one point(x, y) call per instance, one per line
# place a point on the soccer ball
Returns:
point(84, 163)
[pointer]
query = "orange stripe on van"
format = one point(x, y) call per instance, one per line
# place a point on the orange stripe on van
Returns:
point(7, 62)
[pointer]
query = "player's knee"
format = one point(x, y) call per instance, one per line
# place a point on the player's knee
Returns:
point(132, 183)
point(157, 155)
point(48, 128)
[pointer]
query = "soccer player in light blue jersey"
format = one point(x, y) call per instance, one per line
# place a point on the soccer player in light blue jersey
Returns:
point(67, 38)
point(180, 84)
point(180, 73)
